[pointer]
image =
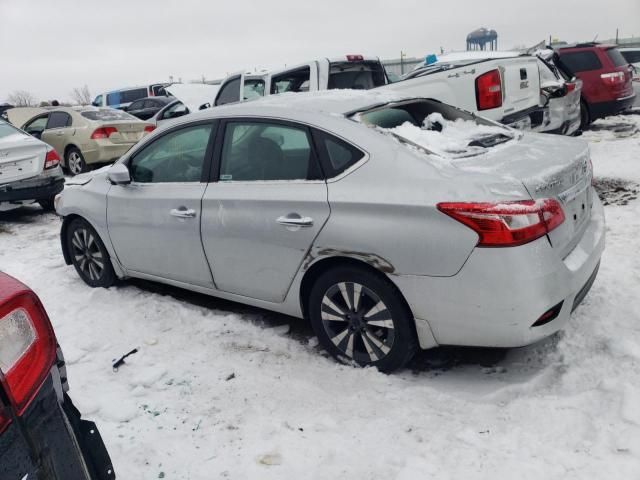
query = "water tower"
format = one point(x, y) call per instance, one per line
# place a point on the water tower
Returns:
point(480, 38)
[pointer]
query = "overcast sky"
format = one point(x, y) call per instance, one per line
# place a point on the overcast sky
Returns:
point(48, 47)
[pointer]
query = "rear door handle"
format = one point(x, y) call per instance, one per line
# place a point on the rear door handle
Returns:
point(183, 212)
point(295, 220)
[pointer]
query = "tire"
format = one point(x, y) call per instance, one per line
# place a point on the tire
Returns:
point(89, 255)
point(585, 117)
point(344, 326)
point(74, 161)
point(47, 204)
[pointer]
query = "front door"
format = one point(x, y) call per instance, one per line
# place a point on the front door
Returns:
point(154, 222)
point(265, 210)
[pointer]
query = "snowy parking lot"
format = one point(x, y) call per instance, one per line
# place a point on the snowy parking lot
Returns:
point(220, 390)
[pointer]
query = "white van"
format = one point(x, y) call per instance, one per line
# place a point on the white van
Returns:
point(123, 97)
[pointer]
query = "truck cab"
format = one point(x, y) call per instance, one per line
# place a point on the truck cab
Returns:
point(348, 72)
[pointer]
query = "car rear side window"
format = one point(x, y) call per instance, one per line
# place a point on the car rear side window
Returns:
point(337, 155)
point(178, 156)
point(58, 120)
point(254, 151)
point(356, 75)
point(580, 61)
point(230, 93)
point(616, 57)
point(128, 96)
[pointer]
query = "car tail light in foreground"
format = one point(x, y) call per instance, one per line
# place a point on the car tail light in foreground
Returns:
point(51, 160)
point(149, 128)
point(27, 343)
point(507, 224)
point(613, 79)
point(489, 90)
point(103, 132)
point(571, 86)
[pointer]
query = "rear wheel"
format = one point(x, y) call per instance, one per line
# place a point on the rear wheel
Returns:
point(89, 255)
point(585, 117)
point(360, 316)
point(74, 162)
point(47, 204)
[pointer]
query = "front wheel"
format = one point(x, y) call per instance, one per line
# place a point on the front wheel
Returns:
point(89, 255)
point(360, 316)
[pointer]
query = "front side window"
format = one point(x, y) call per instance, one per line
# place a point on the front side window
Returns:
point(37, 125)
point(98, 101)
point(230, 92)
point(267, 151)
point(292, 81)
point(136, 106)
point(113, 98)
point(58, 120)
point(178, 156)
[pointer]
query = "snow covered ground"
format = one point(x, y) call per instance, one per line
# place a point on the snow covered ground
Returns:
point(220, 390)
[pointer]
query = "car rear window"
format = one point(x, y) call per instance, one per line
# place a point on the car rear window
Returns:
point(356, 75)
point(580, 61)
point(616, 57)
point(107, 115)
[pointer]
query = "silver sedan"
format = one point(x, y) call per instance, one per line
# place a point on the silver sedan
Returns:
point(390, 223)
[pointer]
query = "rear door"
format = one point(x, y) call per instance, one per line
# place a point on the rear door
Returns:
point(59, 128)
point(265, 207)
point(154, 222)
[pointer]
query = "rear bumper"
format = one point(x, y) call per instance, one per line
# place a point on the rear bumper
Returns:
point(38, 188)
point(500, 293)
point(51, 443)
point(602, 109)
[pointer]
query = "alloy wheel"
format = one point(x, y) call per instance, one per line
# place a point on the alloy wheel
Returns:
point(75, 163)
point(357, 322)
point(86, 253)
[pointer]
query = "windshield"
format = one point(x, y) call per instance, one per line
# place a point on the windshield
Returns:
point(436, 128)
point(356, 75)
point(107, 115)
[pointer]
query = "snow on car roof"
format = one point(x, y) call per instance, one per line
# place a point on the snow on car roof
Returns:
point(476, 55)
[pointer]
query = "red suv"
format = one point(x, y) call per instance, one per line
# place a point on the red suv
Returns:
point(606, 78)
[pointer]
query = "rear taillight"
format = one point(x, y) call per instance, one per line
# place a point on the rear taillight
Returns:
point(27, 347)
point(51, 160)
point(507, 224)
point(149, 128)
point(103, 132)
point(489, 90)
point(613, 79)
point(355, 58)
point(570, 86)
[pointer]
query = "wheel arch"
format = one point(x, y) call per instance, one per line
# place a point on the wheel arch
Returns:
point(323, 265)
point(66, 221)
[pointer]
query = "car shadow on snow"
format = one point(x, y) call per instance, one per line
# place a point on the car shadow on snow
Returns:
point(21, 216)
point(521, 362)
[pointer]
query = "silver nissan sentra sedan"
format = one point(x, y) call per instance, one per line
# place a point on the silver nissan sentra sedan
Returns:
point(391, 223)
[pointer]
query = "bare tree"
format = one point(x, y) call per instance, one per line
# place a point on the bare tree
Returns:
point(22, 98)
point(82, 95)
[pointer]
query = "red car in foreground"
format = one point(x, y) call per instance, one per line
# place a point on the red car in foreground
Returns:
point(606, 78)
point(41, 433)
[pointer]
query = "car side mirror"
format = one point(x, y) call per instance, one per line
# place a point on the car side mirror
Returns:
point(119, 174)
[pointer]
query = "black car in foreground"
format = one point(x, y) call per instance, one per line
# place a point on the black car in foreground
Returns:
point(147, 107)
point(42, 436)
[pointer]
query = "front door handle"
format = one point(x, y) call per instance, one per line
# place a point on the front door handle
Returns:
point(294, 220)
point(183, 212)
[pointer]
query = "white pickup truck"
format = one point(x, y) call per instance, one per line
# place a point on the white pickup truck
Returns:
point(517, 90)
point(351, 71)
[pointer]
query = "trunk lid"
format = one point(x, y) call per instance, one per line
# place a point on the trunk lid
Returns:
point(127, 132)
point(548, 167)
point(21, 156)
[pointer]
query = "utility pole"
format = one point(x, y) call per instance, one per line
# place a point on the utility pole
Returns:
point(616, 36)
point(402, 55)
